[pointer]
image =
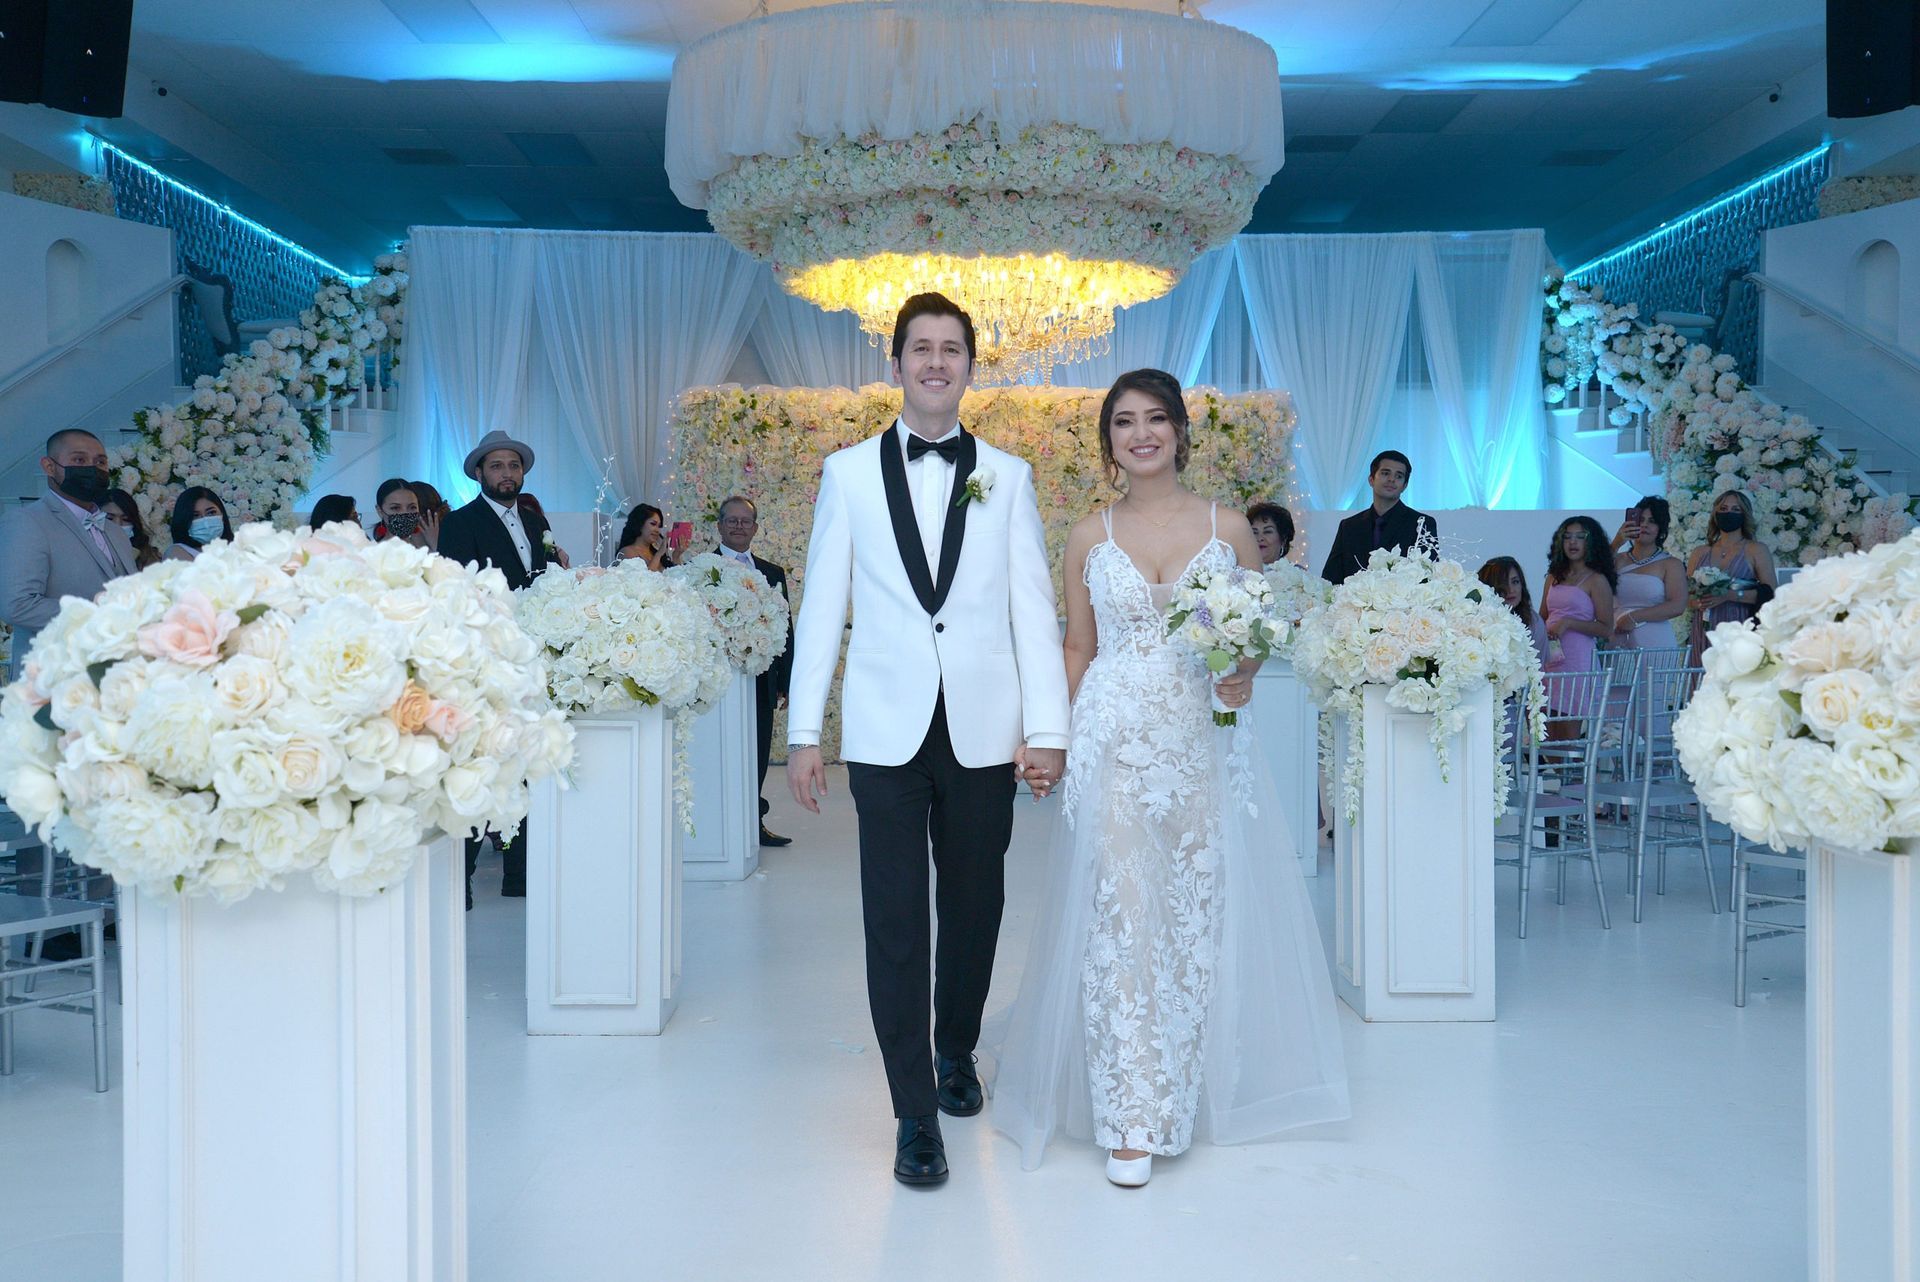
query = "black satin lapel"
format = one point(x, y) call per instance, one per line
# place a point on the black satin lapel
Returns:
point(906, 530)
point(956, 531)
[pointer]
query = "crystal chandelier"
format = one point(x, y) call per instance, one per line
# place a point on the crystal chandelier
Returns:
point(1042, 164)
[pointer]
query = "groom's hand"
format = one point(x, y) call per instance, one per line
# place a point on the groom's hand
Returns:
point(1040, 767)
point(806, 777)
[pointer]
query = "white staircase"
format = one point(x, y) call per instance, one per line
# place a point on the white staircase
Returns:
point(1592, 465)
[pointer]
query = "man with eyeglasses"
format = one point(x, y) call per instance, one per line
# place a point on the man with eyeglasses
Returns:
point(739, 522)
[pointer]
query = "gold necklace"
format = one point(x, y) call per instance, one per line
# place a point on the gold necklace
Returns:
point(1141, 513)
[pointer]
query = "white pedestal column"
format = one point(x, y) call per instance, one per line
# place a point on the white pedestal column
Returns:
point(603, 883)
point(296, 1082)
point(1287, 724)
point(1863, 1065)
point(725, 757)
point(1413, 889)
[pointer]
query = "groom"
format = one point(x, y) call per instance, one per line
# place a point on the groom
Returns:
point(954, 679)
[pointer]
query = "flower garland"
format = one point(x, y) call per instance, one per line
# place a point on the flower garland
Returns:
point(1807, 726)
point(253, 430)
point(1430, 634)
point(1712, 433)
point(286, 703)
point(769, 443)
point(629, 637)
point(1851, 195)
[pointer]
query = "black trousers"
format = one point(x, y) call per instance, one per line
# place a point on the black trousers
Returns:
point(967, 816)
point(513, 858)
point(763, 707)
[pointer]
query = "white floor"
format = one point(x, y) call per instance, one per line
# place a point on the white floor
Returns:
point(1621, 1120)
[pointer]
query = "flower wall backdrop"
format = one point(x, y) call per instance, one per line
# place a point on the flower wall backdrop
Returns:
point(768, 443)
point(1712, 433)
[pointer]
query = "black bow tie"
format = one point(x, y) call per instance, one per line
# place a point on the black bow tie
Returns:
point(948, 449)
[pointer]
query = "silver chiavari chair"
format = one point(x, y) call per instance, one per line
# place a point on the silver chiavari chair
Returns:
point(1668, 812)
point(1763, 914)
point(1556, 787)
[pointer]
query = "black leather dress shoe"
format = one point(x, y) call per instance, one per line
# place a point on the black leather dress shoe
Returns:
point(921, 1155)
point(773, 838)
point(958, 1086)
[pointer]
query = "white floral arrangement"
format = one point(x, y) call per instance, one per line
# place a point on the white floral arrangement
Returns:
point(287, 703)
point(1806, 727)
point(1851, 195)
point(1712, 433)
point(629, 637)
point(750, 613)
point(1430, 634)
point(1710, 580)
point(252, 431)
point(1078, 195)
point(1227, 616)
point(1297, 592)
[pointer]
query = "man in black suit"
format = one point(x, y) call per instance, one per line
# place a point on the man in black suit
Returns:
point(1386, 523)
point(495, 530)
point(739, 522)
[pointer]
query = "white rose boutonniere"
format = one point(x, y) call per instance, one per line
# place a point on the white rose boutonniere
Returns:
point(546, 541)
point(978, 487)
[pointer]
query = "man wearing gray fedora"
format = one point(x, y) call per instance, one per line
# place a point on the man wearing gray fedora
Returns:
point(495, 530)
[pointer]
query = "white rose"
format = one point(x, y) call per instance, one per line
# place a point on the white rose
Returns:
point(246, 686)
point(171, 729)
point(470, 787)
point(1735, 651)
point(373, 851)
point(247, 769)
point(342, 657)
point(310, 764)
point(1832, 699)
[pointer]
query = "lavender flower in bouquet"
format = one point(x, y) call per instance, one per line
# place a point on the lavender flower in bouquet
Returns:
point(1228, 616)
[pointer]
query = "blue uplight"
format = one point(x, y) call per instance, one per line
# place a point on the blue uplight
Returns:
point(230, 212)
point(1678, 225)
point(557, 62)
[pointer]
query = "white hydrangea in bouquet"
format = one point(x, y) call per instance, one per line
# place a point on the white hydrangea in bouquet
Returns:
point(1430, 634)
point(1228, 616)
point(288, 703)
point(750, 612)
point(1806, 727)
point(1297, 592)
point(629, 637)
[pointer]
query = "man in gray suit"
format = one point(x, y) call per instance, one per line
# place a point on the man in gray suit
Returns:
point(62, 546)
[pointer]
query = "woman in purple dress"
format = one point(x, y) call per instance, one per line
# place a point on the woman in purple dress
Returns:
point(1731, 549)
point(1578, 602)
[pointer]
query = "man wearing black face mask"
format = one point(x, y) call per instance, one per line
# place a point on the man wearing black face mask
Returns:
point(64, 545)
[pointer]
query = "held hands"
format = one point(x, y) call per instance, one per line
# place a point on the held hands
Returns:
point(1040, 767)
point(806, 777)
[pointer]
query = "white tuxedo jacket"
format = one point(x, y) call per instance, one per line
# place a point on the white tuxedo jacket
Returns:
point(983, 622)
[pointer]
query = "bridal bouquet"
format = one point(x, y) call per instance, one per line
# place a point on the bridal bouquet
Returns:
point(1807, 726)
point(750, 612)
point(1228, 616)
point(1711, 580)
point(1430, 634)
point(290, 702)
point(1297, 592)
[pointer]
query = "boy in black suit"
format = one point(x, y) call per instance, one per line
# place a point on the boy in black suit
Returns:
point(1386, 523)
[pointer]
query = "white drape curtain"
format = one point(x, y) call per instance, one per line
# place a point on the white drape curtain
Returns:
point(1329, 316)
point(802, 346)
point(1479, 300)
point(574, 342)
point(1170, 332)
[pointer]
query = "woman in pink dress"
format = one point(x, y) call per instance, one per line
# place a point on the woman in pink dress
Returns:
point(1578, 601)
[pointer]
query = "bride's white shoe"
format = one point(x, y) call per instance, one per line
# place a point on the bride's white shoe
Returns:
point(1130, 1173)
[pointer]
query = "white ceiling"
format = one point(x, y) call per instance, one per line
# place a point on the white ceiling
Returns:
point(343, 123)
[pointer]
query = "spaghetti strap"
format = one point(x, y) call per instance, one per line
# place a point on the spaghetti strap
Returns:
point(1106, 519)
point(1213, 515)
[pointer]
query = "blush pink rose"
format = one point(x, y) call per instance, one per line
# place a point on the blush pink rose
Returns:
point(445, 722)
point(190, 633)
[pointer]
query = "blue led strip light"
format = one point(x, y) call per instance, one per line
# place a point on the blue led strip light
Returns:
point(229, 212)
point(1676, 226)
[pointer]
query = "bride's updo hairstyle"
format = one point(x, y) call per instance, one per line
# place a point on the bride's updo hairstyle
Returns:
point(1162, 387)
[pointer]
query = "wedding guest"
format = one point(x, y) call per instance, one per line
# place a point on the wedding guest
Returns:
point(494, 531)
point(642, 537)
point(1579, 604)
point(1653, 583)
point(199, 517)
point(124, 512)
point(433, 510)
point(1732, 549)
point(1504, 575)
point(531, 507)
point(739, 522)
point(1386, 523)
point(398, 506)
point(1272, 530)
point(332, 508)
point(62, 546)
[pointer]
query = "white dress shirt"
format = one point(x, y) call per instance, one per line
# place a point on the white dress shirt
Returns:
point(930, 482)
point(510, 517)
point(92, 522)
point(744, 558)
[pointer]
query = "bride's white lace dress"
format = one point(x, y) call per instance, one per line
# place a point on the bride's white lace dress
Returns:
point(1175, 985)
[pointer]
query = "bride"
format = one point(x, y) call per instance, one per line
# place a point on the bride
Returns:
point(1175, 986)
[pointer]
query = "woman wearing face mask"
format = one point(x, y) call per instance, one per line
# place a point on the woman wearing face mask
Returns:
point(199, 517)
point(1731, 548)
point(399, 508)
point(120, 507)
